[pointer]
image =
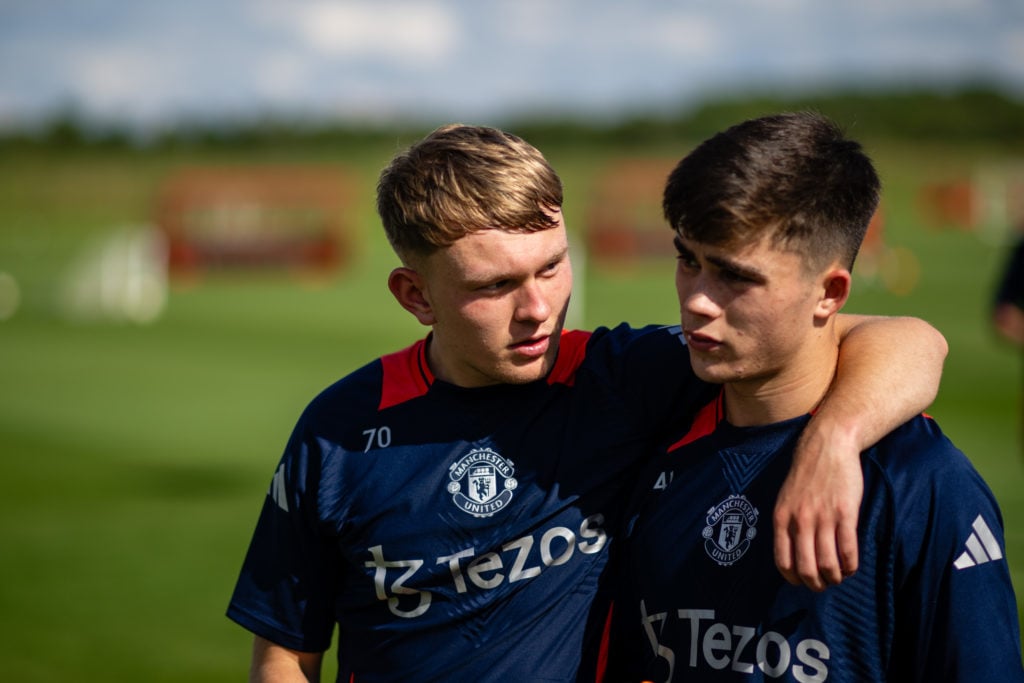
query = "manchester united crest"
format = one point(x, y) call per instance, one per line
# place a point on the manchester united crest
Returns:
point(482, 482)
point(731, 527)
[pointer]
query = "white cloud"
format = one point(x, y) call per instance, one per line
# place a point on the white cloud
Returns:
point(928, 7)
point(534, 23)
point(1012, 46)
point(410, 32)
point(471, 59)
point(690, 36)
point(118, 76)
point(282, 75)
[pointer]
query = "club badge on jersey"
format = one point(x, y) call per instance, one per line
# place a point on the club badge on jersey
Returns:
point(731, 526)
point(482, 482)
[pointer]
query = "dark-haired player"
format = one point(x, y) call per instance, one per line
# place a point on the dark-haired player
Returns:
point(769, 216)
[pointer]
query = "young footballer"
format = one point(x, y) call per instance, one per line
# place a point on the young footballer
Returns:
point(768, 217)
point(447, 509)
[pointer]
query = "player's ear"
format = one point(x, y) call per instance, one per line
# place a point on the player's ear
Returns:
point(408, 288)
point(835, 291)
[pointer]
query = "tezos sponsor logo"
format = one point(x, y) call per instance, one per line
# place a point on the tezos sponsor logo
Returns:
point(481, 482)
point(731, 526)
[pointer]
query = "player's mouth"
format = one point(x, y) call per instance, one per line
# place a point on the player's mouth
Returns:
point(701, 342)
point(534, 347)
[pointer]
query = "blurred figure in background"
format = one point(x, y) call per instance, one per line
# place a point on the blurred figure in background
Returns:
point(1008, 314)
point(1008, 306)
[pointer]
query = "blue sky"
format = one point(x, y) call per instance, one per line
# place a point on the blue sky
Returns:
point(151, 63)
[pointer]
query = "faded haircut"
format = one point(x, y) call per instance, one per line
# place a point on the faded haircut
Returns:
point(793, 177)
point(462, 179)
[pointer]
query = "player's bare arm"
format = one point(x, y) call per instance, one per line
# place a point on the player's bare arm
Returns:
point(1008, 321)
point(889, 371)
point(272, 663)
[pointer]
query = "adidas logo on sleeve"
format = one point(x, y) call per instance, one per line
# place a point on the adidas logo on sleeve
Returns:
point(981, 545)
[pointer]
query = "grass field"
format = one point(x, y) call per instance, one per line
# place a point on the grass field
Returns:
point(135, 457)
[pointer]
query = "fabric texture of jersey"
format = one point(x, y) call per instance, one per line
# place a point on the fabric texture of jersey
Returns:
point(460, 534)
point(700, 598)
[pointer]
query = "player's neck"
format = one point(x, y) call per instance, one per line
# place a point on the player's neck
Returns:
point(796, 390)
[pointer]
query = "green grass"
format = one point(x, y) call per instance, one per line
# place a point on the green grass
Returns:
point(135, 458)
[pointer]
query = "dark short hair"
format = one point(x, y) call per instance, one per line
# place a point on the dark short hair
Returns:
point(794, 177)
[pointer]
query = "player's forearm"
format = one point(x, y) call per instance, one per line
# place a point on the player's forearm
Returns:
point(275, 664)
point(889, 371)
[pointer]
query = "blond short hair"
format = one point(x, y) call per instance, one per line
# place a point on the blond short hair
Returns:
point(461, 179)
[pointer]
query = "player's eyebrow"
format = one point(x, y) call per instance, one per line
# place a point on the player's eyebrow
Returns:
point(560, 255)
point(741, 269)
point(499, 274)
point(721, 262)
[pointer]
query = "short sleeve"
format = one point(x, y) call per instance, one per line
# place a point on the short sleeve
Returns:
point(957, 613)
point(284, 592)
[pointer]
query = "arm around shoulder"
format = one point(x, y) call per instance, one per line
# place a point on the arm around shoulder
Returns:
point(888, 372)
point(272, 663)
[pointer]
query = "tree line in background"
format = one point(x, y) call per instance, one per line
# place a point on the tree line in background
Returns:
point(969, 115)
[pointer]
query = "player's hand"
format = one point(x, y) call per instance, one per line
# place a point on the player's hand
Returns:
point(817, 509)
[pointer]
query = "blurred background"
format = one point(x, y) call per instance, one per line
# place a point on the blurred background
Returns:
point(189, 250)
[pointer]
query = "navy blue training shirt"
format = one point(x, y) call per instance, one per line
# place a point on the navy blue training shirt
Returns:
point(699, 597)
point(456, 534)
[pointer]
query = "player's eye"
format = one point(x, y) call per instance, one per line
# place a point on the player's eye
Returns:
point(494, 286)
point(685, 256)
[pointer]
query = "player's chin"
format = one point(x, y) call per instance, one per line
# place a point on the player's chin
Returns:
point(524, 372)
point(710, 372)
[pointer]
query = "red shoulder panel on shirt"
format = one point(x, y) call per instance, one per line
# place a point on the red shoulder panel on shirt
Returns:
point(405, 375)
point(572, 349)
point(705, 422)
